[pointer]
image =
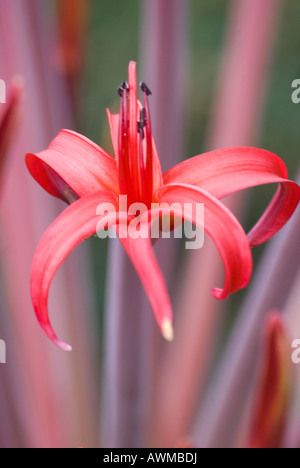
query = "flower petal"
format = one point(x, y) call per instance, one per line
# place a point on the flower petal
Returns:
point(229, 170)
point(222, 227)
point(274, 387)
point(114, 121)
point(157, 172)
point(75, 224)
point(277, 213)
point(143, 259)
point(73, 167)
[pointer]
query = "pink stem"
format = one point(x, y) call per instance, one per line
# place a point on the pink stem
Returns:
point(237, 114)
point(234, 122)
point(130, 350)
point(269, 290)
point(53, 397)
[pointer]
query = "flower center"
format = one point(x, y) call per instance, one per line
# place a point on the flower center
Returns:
point(135, 146)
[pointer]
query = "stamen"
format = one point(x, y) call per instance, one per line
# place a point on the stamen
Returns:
point(143, 116)
point(145, 88)
point(140, 129)
point(142, 123)
point(149, 154)
point(123, 87)
point(120, 91)
point(141, 133)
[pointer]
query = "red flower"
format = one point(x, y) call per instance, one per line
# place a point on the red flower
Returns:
point(77, 170)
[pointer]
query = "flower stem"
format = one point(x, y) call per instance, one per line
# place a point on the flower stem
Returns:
point(130, 344)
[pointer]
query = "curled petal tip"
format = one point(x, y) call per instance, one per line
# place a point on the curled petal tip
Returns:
point(63, 346)
point(50, 333)
point(219, 293)
point(167, 330)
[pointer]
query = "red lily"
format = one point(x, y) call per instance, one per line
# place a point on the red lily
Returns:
point(75, 169)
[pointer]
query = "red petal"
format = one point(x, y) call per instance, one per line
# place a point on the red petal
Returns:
point(75, 224)
point(143, 259)
point(222, 227)
point(72, 167)
point(157, 172)
point(277, 213)
point(114, 121)
point(274, 387)
point(228, 170)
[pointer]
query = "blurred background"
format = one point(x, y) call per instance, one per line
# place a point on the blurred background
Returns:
point(221, 75)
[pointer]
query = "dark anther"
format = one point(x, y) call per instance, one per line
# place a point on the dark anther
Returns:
point(145, 88)
point(142, 123)
point(140, 129)
point(143, 117)
point(124, 86)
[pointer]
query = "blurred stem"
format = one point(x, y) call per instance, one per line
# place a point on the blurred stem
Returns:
point(234, 122)
point(127, 367)
point(231, 382)
point(51, 393)
point(250, 37)
point(130, 345)
point(291, 437)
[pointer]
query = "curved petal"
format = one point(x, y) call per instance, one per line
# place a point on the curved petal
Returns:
point(73, 167)
point(277, 213)
point(157, 172)
point(273, 388)
point(143, 259)
point(75, 224)
point(229, 170)
point(222, 227)
point(114, 121)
